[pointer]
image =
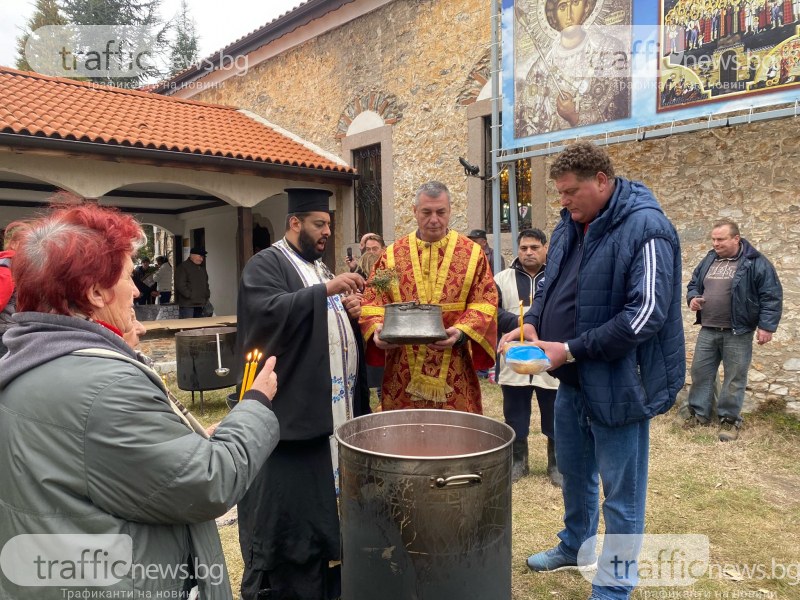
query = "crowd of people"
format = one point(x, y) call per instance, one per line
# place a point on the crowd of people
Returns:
point(602, 298)
point(690, 25)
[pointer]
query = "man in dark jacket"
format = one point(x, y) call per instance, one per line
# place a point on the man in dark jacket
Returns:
point(290, 305)
point(736, 294)
point(143, 279)
point(610, 308)
point(191, 285)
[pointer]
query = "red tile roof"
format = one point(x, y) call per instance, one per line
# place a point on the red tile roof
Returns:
point(57, 108)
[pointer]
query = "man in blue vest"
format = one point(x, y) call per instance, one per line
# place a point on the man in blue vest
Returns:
point(609, 309)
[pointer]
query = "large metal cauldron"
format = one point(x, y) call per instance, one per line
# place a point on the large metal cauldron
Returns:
point(425, 506)
point(196, 356)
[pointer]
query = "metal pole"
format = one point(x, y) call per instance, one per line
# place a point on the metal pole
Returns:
point(513, 209)
point(495, 75)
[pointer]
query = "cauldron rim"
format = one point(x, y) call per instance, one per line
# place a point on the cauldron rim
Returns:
point(206, 331)
point(428, 412)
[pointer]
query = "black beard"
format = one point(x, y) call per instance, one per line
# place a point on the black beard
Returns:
point(307, 247)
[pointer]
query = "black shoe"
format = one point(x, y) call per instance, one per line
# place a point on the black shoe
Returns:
point(519, 466)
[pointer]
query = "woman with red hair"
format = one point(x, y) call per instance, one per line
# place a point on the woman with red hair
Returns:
point(90, 442)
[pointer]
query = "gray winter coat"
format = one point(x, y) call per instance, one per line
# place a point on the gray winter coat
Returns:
point(90, 444)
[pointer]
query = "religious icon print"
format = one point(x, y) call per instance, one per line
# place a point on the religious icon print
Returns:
point(571, 64)
point(726, 49)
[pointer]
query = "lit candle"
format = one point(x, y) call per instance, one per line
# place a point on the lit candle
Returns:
point(254, 367)
point(245, 376)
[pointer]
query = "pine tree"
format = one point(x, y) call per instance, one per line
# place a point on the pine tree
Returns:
point(45, 12)
point(143, 18)
point(183, 50)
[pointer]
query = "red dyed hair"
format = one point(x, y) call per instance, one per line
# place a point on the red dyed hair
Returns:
point(63, 254)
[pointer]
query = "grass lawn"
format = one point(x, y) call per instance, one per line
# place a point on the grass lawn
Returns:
point(744, 496)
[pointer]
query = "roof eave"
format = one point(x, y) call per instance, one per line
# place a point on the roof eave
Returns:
point(222, 162)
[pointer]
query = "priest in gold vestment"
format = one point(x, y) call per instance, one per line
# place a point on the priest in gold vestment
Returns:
point(435, 265)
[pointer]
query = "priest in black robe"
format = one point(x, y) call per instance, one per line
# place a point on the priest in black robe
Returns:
point(292, 307)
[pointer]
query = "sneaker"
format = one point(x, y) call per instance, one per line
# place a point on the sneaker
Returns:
point(728, 431)
point(555, 560)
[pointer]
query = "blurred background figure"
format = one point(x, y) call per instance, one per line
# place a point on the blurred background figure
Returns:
point(163, 280)
point(352, 262)
point(191, 285)
point(373, 248)
point(8, 294)
point(479, 237)
point(143, 278)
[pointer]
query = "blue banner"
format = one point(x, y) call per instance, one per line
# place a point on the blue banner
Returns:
point(592, 67)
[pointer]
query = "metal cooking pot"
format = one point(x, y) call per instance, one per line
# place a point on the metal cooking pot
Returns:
point(196, 358)
point(425, 506)
point(412, 323)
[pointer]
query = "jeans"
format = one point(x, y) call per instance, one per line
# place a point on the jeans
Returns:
point(587, 451)
point(164, 297)
point(735, 353)
point(517, 408)
point(190, 312)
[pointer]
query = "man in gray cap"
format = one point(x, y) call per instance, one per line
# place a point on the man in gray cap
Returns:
point(479, 237)
point(291, 305)
point(191, 285)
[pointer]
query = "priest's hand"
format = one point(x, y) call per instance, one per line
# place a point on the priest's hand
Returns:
point(352, 304)
point(453, 336)
point(379, 343)
point(346, 283)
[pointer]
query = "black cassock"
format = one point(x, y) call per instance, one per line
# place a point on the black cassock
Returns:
point(289, 513)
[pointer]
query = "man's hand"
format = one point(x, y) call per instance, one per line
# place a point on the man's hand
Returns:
point(346, 283)
point(762, 337)
point(352, 304)
point(379, 343)
point(453, 335)
point(529, 331)
point(697, 303)
point(555, 351)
